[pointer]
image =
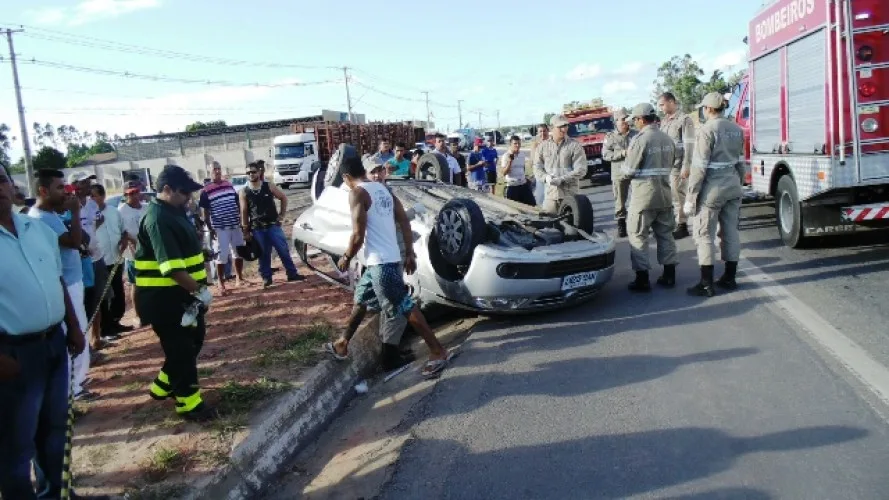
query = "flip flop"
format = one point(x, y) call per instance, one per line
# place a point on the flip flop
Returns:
point(329, 349)
point(433, 368)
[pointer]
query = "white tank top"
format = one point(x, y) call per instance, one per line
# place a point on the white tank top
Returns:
point(380, 243)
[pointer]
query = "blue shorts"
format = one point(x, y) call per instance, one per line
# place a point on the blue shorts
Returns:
point(381, 288)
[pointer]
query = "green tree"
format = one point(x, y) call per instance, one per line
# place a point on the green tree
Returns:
point(5, 144)
point(49, 157)
point(681, 76)
point(18, 167)
point(194, 127)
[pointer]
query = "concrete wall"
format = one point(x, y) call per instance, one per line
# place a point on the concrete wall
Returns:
point(233, 162)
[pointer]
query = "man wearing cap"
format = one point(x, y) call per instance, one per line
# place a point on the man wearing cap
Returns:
point(615, 151)
point(91, 218)
point(714, 194)
point(648, 163)
point(560, 164)
point(170, 280)
point(681, 128)
point(131, 211)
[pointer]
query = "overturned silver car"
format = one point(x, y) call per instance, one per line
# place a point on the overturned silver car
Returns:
point(474, 251)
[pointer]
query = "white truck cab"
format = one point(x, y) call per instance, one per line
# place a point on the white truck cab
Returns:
point(295, 159)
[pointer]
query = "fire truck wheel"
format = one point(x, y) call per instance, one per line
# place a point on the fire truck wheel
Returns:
point(788, 213)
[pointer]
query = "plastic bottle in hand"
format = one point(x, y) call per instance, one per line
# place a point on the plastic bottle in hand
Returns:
point(190, 316)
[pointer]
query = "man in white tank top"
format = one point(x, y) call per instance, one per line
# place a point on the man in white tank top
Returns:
point(374, 215)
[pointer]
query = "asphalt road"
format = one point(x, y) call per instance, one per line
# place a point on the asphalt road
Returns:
point(776, 390)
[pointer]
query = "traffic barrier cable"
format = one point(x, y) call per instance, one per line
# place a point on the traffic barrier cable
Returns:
point(69, 431)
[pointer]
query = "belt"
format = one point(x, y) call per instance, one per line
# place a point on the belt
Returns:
point(27, 338)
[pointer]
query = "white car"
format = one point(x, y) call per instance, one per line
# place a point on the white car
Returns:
point(474, 251)
point(239, 182)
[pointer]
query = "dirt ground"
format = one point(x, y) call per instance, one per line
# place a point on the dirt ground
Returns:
point(258, 344)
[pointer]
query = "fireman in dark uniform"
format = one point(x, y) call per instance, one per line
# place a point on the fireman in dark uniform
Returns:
point(171, 291)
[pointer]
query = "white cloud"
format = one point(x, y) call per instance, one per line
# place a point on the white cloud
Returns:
point(630, 69)
point(584, 71)
point(88, 11)
point(730, 59)
point(619, 87)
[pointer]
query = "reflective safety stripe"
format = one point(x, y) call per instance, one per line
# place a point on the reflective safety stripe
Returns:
point(163, 378)
point(166, 267)
point(716, 165)
point(155, 281)
point(653, 172)
point(157, 390)
point(188, 403)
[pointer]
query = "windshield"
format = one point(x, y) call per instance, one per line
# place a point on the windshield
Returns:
point(288, 151)
point(237, 181)
point(588, 127)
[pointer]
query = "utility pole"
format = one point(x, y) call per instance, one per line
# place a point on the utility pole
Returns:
point(459, 113)
point(348, 96)
point(428, 114)
point(498, 119)
point(29, 165)
point(479, 119)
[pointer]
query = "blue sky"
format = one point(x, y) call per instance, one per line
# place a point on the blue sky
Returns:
point(523, 60)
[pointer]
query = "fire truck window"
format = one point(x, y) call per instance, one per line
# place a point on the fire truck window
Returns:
point(746, 111)
point(732, 109)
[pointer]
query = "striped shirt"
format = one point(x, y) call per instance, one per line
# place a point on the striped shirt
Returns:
point(221, 200)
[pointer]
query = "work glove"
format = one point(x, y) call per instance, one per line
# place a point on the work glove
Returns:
point(558, 181)
point(688, 208)
point(205, 296)
point(548, 179)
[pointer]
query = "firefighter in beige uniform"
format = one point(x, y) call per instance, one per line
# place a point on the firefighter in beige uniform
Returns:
point(714, 194)
point(648, 164)
point(615, 151)
point(560, 163)
point(681, 128)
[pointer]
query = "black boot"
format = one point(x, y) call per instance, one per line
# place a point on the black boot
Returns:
point(727, 280)
point(705, 287)
point(668, 279)
point(641, 284)
point(681, 231)
point(622, 228)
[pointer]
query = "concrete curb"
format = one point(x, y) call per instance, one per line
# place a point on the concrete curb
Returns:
point(295, 420)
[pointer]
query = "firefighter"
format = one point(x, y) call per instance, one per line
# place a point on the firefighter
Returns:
point(714, 194)
point(170, 281)
point(615, 151)
point(560, 163)
point(648, 164)
point(681, 128)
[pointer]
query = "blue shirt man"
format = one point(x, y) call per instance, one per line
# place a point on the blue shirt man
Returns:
point(33, 351)
point(72, 267)
point(490, 154)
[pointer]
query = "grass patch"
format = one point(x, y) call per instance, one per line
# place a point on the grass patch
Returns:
point(156, 491)
point(205, 372)
point(236, 400)
point(298, 351)
point(99, 456)
point(155, 415)
point(259, 334)
point(115, 376)
point(80, 409)
point(133, 386)
point(166, 462)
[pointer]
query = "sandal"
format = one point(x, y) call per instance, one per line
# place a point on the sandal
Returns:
point(434, 367)
point(330, 349)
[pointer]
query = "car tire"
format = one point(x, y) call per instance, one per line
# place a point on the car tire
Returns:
point(302, 251)
point(581, 210)
point(343, 152)
point(284, 185)
point(318, 183)
point(433, 167)
point(788, 213)
point(459, 228)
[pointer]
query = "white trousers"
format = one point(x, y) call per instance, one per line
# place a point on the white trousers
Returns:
point(80, 366)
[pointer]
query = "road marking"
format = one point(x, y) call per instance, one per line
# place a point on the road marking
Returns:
point(873, 374)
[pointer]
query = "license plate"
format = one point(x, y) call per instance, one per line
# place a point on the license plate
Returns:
point(291, 178)
point(578, 280)
point(590, 163)
point(868, 110)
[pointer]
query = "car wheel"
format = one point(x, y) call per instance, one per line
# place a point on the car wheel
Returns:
point(459, 228)
point(285, 185)
point(318, 183)
point(433, 167)
point(343, 152)
point(302, 250)
point(788, 213)
point(580, 209)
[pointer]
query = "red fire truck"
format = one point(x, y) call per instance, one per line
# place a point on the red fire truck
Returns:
point(588, 124)
point(815, 109)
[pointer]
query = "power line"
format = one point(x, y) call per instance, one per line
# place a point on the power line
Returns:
point(98, 43)
point(165, 78)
